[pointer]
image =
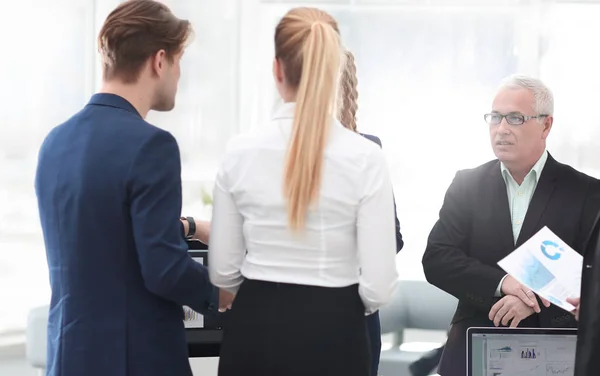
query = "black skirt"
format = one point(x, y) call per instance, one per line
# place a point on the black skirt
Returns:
point(278, 329)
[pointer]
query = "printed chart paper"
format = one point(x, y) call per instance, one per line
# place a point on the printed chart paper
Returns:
point(191, 318)
point(548, 266)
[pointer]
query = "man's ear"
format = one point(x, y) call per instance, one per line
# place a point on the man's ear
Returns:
point(548, 121)
point(158, 62)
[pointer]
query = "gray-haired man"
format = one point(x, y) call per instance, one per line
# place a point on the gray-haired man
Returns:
point(490, 210)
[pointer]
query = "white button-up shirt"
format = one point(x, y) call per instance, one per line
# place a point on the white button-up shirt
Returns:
point(349, 235)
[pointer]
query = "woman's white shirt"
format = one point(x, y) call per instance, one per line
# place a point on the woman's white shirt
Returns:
point(350, 231)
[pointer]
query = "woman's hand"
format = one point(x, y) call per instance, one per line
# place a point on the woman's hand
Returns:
point(225, 300)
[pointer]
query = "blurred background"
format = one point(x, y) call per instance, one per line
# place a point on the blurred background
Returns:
point(427, 72)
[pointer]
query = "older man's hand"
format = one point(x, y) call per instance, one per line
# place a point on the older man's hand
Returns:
point(509, 309)
point(511, 286)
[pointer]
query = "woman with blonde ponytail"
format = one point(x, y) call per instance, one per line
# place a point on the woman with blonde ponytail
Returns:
point(347, 114)
point(298, 230)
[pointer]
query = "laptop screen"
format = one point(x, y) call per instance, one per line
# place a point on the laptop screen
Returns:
point(522, 353)
point(191, 318)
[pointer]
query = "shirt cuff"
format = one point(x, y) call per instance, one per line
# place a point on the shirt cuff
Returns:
point(498, 293)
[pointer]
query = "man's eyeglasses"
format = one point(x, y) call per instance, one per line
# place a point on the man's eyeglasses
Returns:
point(512, 119)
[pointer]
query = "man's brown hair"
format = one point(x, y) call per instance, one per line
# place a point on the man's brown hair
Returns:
point(135, 31)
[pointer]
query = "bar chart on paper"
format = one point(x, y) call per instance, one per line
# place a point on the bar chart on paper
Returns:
point(191, 318)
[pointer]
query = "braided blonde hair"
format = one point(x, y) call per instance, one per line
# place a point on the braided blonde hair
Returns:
point(349, 93)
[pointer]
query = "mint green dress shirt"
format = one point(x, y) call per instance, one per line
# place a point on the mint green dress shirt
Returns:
point(519, 197)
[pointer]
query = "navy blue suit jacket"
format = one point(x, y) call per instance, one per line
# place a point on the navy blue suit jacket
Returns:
point(109, 195)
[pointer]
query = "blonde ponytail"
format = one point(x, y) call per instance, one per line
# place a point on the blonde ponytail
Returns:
point(315, 106)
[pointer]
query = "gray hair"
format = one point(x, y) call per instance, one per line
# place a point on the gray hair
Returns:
point(544, 99)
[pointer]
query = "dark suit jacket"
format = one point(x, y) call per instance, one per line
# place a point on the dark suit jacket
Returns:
point(474, 232)
point(588, 338)
point(109, 195)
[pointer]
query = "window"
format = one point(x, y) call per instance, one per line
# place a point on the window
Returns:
point(47, 76)
point(53, 80)
point(426, 77)
point(206, 111)
point(569, 63)
point(427, 74)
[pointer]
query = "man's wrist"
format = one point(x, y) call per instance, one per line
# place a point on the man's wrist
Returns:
point(203, 231)
point(189, 227)
point(499, 292)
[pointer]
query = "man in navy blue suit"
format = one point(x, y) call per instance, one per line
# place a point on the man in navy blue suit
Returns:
point(109, 195)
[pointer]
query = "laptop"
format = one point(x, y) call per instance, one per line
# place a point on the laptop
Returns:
point(520, 351)
point(203, 333)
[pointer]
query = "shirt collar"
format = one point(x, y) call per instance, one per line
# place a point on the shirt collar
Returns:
point(112, 100)
point(536, 169)
point(285, 110)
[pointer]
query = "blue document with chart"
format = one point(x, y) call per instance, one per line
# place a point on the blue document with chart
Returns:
point(547, 266)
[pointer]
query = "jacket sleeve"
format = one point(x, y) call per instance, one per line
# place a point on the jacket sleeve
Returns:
point(589, 216)
point(227, 244)
point(376, 243)
point(445, 261)
point(587, 361)
point(155, 207)
point(399, 240)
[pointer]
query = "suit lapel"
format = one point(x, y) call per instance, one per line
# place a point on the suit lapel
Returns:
point(539, 201)
point(501, 209)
